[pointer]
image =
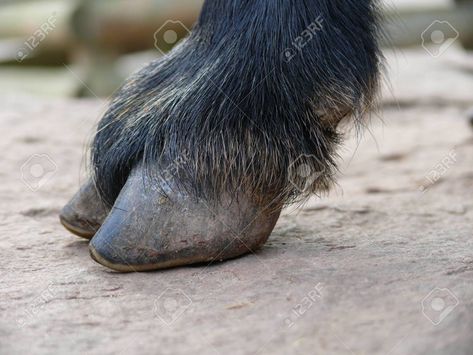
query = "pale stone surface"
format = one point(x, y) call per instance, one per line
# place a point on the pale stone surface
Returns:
point(345, 274)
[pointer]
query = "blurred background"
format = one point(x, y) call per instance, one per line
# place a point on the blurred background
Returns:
point(77, 48)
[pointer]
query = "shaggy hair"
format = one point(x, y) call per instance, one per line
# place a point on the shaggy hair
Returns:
point(255, 87)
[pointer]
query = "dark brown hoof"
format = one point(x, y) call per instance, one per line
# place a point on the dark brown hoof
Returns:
point(149, 230)
point(85, 212)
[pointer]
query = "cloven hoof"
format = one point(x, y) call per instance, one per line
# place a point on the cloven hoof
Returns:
point(155, 225)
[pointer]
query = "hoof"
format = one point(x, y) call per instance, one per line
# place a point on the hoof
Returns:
point(148, 229)
point(85, 212)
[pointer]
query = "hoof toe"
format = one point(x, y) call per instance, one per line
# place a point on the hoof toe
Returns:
point(149, 230)
point(85, 212)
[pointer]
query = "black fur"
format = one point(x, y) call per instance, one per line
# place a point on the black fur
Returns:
point(228, 100)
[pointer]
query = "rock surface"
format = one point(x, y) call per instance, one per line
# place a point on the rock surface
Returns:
point(384, 265)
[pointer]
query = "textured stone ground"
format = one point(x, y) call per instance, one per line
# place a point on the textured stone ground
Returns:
point(345, 274)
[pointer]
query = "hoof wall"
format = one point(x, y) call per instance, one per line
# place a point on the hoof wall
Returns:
point(149, 230)
point(85, 212)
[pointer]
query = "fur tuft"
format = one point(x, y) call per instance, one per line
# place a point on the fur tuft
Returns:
point(257, 86)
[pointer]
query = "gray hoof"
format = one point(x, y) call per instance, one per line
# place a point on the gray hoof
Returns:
point(149, 230)
point(85, 212)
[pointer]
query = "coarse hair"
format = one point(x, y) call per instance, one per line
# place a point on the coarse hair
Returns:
point(255, 87)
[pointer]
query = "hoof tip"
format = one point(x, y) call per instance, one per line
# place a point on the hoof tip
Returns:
point(74, 227)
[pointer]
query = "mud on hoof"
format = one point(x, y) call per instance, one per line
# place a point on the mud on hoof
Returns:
point(85, 212)
point(157, 226)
